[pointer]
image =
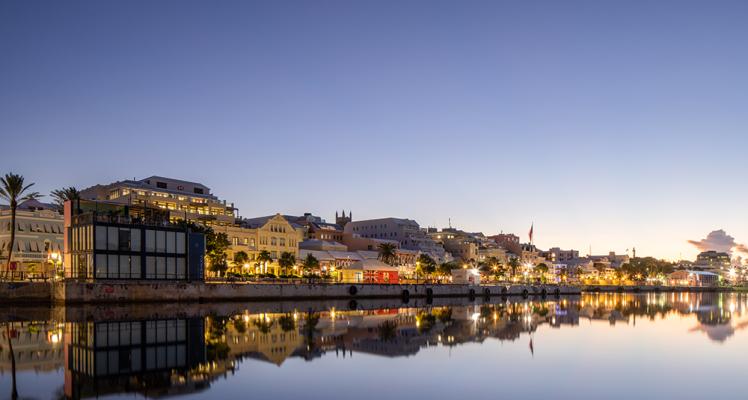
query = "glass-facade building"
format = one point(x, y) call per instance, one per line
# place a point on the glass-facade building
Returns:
point(108, 241)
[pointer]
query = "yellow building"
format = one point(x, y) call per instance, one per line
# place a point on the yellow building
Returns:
point(274, 234)
point(38, 243)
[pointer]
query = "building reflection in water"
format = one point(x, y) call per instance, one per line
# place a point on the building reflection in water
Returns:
point(171, 356)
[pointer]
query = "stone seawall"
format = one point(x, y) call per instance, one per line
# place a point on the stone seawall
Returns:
point(133, 292)
point(25, 292)
point(118, 292)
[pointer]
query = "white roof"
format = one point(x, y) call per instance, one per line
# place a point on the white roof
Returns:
point(372, 265)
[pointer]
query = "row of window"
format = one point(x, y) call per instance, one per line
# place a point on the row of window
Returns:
point(277, 228)
point(276, 241)
point(34, 227)
point(112, 266)
point(33, 246)
point(129, 239)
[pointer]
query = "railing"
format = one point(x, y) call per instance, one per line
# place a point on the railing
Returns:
point(258, 280)
point(18, 276)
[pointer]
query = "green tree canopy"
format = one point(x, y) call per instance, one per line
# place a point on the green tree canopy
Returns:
point(60, 196)
point(310, 263)
point(388, 253)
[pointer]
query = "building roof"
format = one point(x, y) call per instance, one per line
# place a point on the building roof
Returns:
point(371, 265)
point(259, 222)
point(30, 205)
point(701, 273)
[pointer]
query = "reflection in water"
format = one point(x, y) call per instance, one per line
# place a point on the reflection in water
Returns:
point(168, 356)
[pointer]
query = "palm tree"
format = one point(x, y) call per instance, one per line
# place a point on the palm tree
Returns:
point(264, 258)
point(513, 265)
point(310, 263)
point(13, 190)
point(387, 253)
point(60, 196)
point(240, 258)
point(425, 265)
point(286, 261)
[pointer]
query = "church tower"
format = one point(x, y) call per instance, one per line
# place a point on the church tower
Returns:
point(342, 220)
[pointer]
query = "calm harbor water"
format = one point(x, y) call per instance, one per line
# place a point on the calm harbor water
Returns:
point(616, 346)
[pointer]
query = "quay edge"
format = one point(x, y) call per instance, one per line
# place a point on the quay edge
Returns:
point(72, 292)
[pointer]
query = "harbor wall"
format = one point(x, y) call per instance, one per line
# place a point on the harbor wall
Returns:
point(74, 292)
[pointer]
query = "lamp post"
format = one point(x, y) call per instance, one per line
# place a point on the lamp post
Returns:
point(56, 258)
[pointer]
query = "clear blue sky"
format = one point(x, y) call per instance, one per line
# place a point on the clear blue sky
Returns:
point(610, 124)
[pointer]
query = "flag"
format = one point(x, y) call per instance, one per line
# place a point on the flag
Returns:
point(532, 228)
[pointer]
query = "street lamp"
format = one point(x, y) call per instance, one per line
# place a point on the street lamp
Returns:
point(55, 257)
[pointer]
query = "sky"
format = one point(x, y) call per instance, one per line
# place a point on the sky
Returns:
point(607, 125)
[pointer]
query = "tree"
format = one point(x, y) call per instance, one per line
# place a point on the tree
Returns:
point(446, 268)
point(387, 253)
point(241, 258)
point(541, 268)
point(216, 245)
point(310, 263)
point(286, 261)
point(513, 265)
point(425, 264)
point(264, 258)
point(60, 196)
point(14, 191)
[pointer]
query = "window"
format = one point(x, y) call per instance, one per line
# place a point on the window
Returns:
point(160, 241)
point(171, 245)
point(199, 191)
point(150, 241)
point(135, 239)
point(180, 243)
point(124, 240)
point(112, 238)
point(161, 185)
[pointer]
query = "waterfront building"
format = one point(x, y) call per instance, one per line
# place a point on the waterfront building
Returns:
point(184, 200)
point(555, 254)
point(334, 260)
point(274, 234)
point(611, 260)
point(492, 251)
point(693, 278)
point(713, 260)
point(369, 271)
point(462, 250)
point(38, 245)
point(105, 240)
point(405, 231)
point(317, 228)
point(508, 241)
point(317, 244)
point(461, 245)
point(466, 276)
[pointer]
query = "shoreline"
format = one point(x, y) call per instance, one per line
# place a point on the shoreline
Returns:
point(127, 292)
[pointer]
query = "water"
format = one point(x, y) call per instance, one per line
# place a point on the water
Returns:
point(616, 346)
